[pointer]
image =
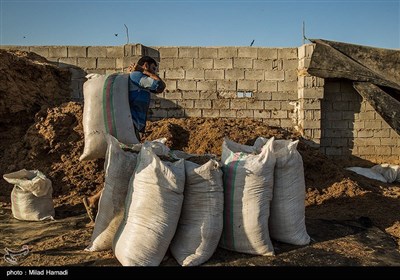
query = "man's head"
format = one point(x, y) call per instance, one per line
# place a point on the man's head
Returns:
point(148, 63)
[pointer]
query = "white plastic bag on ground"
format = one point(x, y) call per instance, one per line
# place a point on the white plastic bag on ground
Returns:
point(389, 171)
point(200, 225)
point(153, 206)
point(368, 172)
point(106, 110)
point(119, 166)
point(31, 197)
point(248, 189)
point(287, 217)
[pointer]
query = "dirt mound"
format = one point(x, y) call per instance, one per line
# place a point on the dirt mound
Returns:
point(27, 83)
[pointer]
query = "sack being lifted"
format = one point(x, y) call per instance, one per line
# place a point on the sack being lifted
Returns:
point(106, 110)
point(31, 198)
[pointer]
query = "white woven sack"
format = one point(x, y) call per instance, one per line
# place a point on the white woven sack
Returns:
point(368, 172)
point(200, 225)
point(31, 197)
point(248, 188)
point(119, 166)
point(287, 217)
point(388, 171)
point(152, 210)
point(106, 110)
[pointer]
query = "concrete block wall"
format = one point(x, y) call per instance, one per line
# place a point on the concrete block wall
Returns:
point(351, 127)
point(231, 82)
point(310, 95)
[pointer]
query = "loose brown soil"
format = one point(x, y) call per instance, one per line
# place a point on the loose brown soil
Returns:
point(352, 220)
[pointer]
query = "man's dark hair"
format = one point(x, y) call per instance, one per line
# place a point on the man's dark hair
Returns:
point(147, 59)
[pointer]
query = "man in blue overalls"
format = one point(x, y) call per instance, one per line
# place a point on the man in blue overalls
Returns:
point(143, 80)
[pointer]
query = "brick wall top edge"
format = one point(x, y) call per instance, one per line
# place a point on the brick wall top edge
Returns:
point(51, 46)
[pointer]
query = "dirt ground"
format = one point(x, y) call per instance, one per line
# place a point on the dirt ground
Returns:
point(352, 220)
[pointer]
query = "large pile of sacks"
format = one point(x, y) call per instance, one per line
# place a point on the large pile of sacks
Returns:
point(155, 198)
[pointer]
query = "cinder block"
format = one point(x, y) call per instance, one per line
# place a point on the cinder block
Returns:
point(247, 85)
point(238, 104)
point(186, 104)
point(234, 74)
point(194, 74)
point(317, 92)
point(117, 51)
point(268, 53)
point(249, 52)
point(207, 85)
point(185, 63)
point(170, 85)
point(175, 113)
point(255, 105)
point(208, 95)
point(111, 71)
point(208, 52)
point(290, 75)
point(287, 86)
point(204, 63)
point(264, 96)
point(229, 85)
point(254, 75)
point(104, 63)
point(277, 114)
point(190, 52)
point(220, 104)
point(58, 52)
point(290, 64)
point(280, 96)
point(177, 95)
point(262, 64)
point(171, 52)
point(168, 103)
point(191, 95)
point(186, 85)
point(175, 74)
point(210, 113)
point(267, 86)
point(373, 124)
point(227, 113)
point(365, 133)
point(87, 63)
point(262, 114)
point(192, 113)
point(242, 63)
point(287, 53)
point(274, 75)
point(166, 63)
point(214, 74)
point(75, 51)
point(223, 63)
point(287, 123)
point(245, 114)
point(96, 52)
point(202, 104)
point(227, 52)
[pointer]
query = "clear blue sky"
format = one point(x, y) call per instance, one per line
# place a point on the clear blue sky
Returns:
point(199, 23)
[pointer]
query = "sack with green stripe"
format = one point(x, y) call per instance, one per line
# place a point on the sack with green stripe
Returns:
point(106, 110)
point(248, 189)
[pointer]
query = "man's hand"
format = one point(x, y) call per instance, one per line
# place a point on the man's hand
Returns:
point(135, 67)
